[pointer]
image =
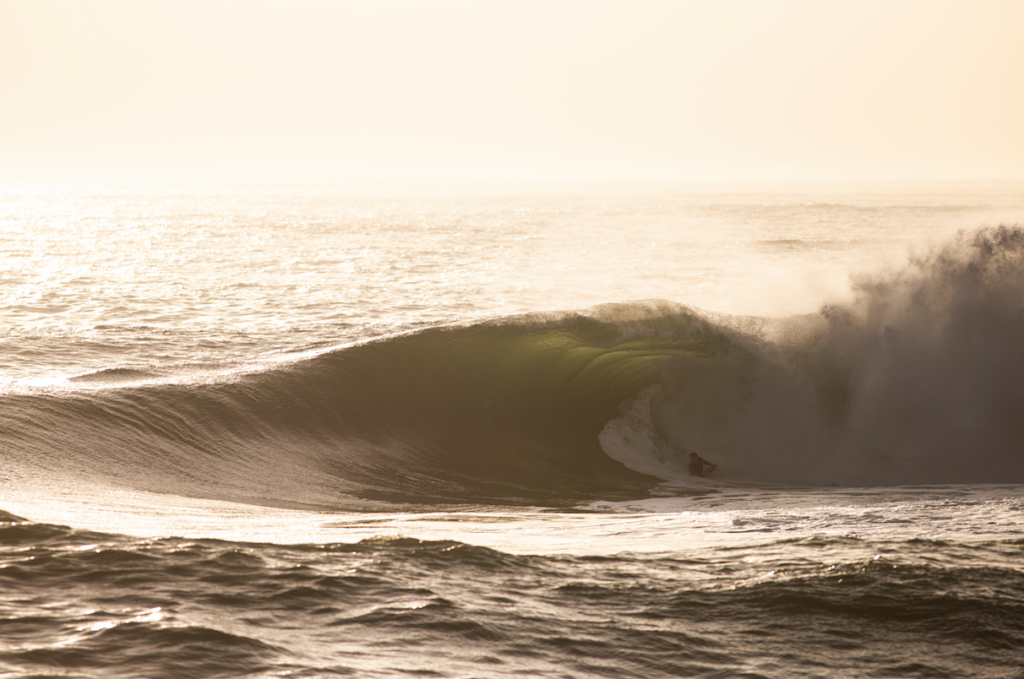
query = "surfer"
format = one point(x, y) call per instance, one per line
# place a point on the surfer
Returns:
point(697, 464)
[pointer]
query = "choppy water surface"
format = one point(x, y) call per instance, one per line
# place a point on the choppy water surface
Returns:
point(320, 431)
point(837, 587)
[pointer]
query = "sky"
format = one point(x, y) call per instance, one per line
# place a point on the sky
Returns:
point(495, 90)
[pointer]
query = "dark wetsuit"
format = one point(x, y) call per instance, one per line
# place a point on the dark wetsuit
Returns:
point(697, 465)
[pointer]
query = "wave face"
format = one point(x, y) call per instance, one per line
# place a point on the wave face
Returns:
point(920, 379)
point(504, 411)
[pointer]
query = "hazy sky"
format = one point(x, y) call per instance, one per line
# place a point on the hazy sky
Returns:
point(436, 90)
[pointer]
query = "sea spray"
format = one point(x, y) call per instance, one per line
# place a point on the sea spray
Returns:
point(919, 380)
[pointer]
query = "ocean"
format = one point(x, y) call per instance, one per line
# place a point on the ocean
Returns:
point(443, 431)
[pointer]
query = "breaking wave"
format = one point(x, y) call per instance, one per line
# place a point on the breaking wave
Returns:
point(919, 380)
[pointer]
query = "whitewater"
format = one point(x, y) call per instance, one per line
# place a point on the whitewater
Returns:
point(273, 431)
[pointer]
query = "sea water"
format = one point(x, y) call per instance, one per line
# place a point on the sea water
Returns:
point(442, 430)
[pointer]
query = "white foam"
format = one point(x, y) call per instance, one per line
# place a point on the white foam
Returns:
point(731, 516)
